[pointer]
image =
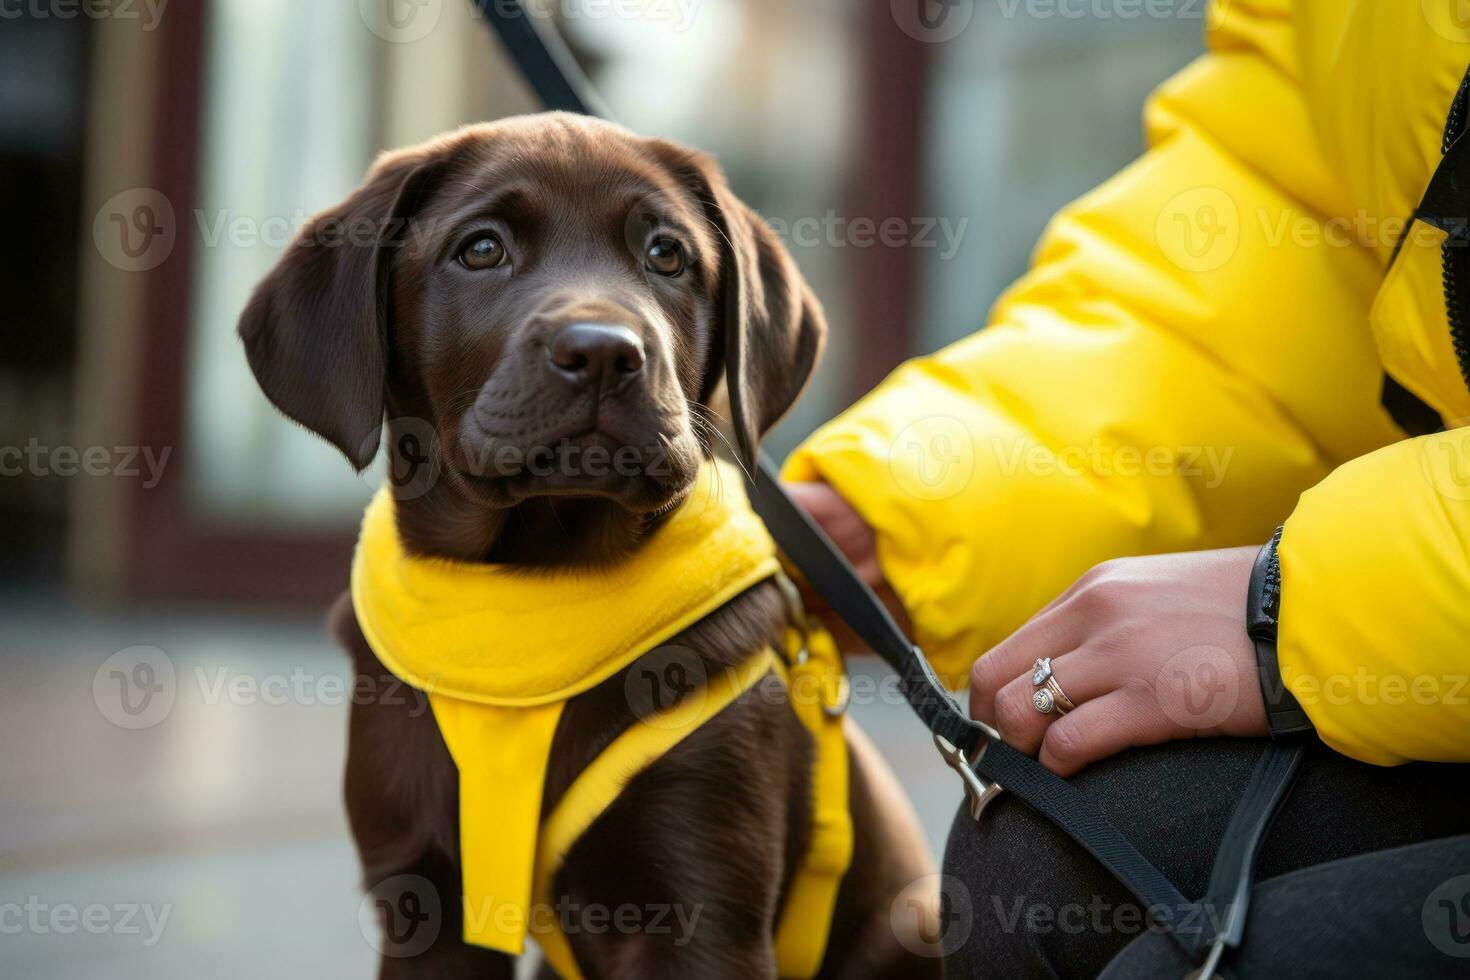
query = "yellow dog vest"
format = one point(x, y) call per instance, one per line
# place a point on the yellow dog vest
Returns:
point(500, 651)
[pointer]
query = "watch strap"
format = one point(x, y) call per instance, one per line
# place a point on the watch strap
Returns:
point(1284, 714)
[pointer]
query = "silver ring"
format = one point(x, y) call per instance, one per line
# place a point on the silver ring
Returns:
point(1051, 697)
point(1040, 671)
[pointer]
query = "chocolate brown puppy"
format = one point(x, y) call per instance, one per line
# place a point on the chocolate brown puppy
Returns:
point(519, 300)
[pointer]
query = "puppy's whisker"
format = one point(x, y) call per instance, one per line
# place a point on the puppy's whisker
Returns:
point(735, 455)
point(464, 402)
point(719, 487)
point(706, 408)
point(711, 427)
point(714, 224)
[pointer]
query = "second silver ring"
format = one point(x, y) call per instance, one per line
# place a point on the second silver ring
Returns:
point(1049, 696)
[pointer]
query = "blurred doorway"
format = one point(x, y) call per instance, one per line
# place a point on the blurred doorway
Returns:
point(44, 70)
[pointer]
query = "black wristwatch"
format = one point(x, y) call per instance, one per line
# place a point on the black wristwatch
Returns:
point(1284, 714)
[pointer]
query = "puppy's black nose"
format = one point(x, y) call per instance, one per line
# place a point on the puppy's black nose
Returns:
point(589, 353)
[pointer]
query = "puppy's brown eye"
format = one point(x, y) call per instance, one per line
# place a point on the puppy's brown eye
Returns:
point(484, 252)
point(666, 257)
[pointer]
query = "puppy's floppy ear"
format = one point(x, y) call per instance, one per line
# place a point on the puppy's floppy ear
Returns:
point(315, 329)
point(772, 324)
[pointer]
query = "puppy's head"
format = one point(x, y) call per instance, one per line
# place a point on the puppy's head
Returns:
point(546, 309)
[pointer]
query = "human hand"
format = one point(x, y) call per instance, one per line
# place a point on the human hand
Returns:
point(855, 539)
point(1148, 649)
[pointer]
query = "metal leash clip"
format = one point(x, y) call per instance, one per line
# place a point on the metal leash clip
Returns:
point(795, 613)
point(977, 791)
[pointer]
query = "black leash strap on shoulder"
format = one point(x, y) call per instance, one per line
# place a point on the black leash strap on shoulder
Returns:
point(983, 760)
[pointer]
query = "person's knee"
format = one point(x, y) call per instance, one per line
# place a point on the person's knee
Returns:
point(1024, 899)
point(1021, 899)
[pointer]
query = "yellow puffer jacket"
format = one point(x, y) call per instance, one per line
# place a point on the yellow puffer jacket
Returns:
point(1197, 355)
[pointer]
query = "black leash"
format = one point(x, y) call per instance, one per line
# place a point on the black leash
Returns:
point(837, 582)
point(543, 59)
point(977, 752)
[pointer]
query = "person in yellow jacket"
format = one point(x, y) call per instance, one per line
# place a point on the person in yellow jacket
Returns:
point(1264, 322)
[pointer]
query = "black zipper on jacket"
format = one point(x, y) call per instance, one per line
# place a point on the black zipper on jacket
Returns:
point(1456, 251)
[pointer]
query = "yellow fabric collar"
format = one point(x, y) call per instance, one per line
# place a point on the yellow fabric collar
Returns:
point(494, 634)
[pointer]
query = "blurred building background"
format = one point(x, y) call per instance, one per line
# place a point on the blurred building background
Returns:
point(155, 157)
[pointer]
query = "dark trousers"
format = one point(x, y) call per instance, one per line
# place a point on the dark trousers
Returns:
point(1366, 872)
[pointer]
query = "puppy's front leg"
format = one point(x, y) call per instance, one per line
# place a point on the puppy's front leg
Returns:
point(402, 803)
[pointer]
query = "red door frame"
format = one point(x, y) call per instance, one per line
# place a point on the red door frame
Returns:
point(886, 185)
point(172, 552)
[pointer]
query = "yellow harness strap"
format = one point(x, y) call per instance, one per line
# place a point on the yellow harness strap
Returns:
point(816, 687)
point(817, 682)
point(501, 756)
